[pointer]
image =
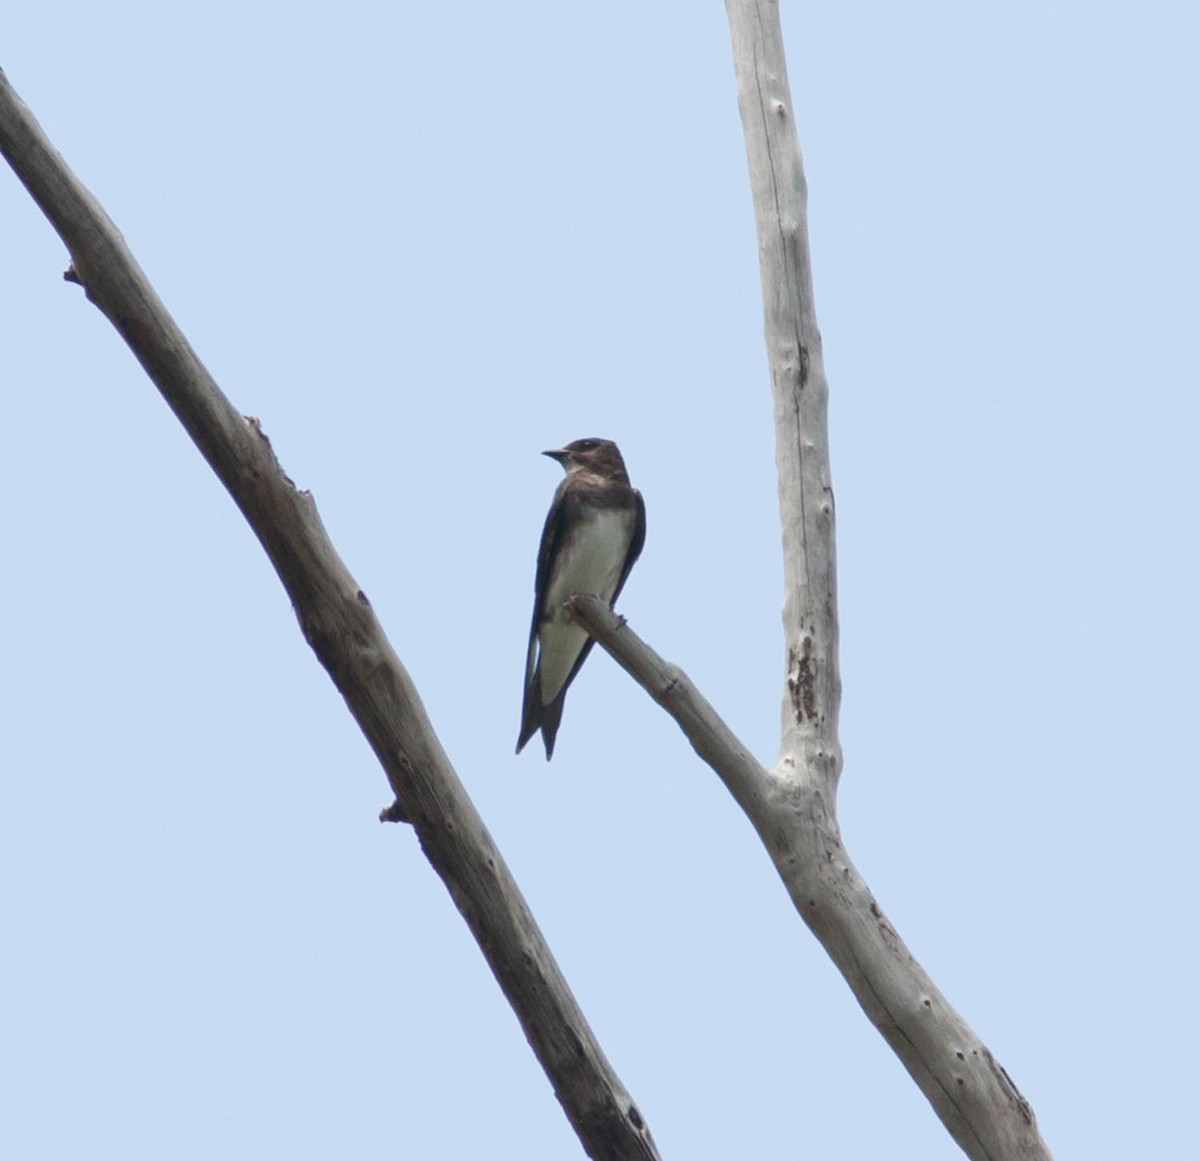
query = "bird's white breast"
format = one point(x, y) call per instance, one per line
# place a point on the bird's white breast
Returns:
point(590, 562)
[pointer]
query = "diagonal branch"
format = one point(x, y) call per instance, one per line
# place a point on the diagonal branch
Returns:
point(340, 625)
point(794, 817)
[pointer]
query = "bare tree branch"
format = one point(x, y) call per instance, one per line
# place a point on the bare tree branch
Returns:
point(794, 816)
point(340, 625)
point(800, 392)
point(793, 806)
point(743, 775)
point(971, 1093)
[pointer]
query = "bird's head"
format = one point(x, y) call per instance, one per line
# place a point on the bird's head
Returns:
point(599, 457)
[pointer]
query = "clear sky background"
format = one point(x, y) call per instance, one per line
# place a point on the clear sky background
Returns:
point(424, 242)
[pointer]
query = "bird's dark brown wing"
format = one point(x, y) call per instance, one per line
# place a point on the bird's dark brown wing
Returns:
point(552, 535)
point(635, 545)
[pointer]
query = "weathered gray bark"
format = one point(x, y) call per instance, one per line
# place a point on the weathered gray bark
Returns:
point(793, 806)
point(340, 625)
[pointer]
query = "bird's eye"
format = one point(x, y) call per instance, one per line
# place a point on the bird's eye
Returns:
point(587, 445)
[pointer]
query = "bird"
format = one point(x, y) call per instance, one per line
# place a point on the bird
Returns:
point(594, 532)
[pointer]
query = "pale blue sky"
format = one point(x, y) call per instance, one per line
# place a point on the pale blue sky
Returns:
point(422, 243)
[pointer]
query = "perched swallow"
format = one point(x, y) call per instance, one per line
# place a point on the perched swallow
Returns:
point(594, 532)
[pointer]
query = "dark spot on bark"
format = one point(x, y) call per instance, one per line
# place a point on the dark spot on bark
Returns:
point(362, 598)
point(1006, 1081)
point(804, 367)
point(635, 1118)
point(802, 682)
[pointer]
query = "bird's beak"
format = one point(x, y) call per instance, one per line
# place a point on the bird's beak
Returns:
point(559, 454)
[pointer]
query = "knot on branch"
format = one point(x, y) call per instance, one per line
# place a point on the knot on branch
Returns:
point(394, 813)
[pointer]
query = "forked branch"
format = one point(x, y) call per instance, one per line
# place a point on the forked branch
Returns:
point(792, 809)
point(793, 806)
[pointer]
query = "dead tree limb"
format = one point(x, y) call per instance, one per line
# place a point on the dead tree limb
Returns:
point(340, 625)
point(794, 806)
